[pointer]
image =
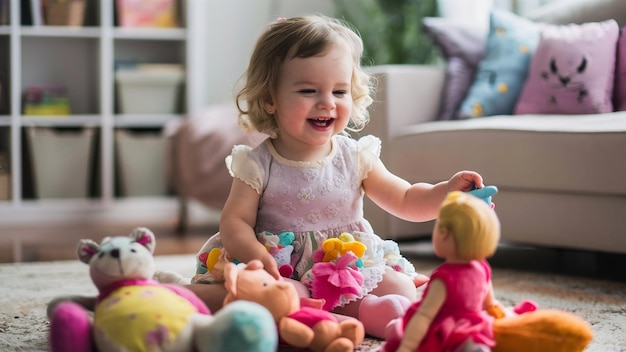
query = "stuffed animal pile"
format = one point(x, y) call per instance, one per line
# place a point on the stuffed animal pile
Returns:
point(299, 325)
point(134, 313)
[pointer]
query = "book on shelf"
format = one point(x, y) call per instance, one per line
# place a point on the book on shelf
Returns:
point(3, 93)
point(147, 13)
point(5, 177)
point(5, 12)
point(46, 100)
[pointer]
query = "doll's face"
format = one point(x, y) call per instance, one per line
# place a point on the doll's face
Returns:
point(443, 241)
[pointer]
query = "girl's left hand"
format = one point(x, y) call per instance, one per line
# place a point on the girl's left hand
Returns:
point(465, 181)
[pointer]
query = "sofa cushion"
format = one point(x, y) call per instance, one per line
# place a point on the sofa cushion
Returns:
point(462, 45)
point(543, 153)
point(502, 72)
point(572, 70)
point(580, 11)
point(619, 90)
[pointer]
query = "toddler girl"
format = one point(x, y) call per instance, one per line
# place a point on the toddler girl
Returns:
point(305, 89)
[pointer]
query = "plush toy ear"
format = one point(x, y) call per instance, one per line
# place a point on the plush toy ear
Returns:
point(86, 250)
point(144, 237)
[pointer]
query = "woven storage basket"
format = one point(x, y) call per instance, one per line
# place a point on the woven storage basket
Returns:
point(65, 12)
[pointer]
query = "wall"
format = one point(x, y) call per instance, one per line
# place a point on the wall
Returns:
point(231, 30)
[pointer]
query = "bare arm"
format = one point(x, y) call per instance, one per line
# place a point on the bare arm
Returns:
point(417, 202)
point(237, 227)
point(419, 324)
point(491, 305)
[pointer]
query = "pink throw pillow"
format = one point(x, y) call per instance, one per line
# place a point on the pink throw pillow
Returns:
point(572, 70)
point(619, 92)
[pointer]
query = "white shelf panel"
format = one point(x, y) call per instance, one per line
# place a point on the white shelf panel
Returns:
point(61, 31)
point(149, 121)
point(5, 120)
point(62, 121)
point(150, 33)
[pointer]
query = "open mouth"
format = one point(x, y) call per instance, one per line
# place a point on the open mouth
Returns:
point(321, 122)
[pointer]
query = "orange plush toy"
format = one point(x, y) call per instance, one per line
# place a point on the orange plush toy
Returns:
point(540, 330)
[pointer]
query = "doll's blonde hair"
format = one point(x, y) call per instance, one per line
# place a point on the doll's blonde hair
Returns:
point(302, 37)
point(472, 223)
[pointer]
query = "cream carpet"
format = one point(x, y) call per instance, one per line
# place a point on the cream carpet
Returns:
point(26, 288)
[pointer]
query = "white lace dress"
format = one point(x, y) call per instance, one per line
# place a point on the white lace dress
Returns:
point(316, 201)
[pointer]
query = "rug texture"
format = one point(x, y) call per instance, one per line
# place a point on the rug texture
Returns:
point(25, 289)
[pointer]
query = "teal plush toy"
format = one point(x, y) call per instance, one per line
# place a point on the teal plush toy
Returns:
point(134, 313)
point(485, 194)
point(280, 247)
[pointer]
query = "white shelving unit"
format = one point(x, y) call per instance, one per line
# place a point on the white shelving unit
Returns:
point(83, 59)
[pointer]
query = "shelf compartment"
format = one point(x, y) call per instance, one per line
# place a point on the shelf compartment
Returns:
point(5, 75)
point(5, 164)
point(140, 160)
point(79, 75)
point(60, 160)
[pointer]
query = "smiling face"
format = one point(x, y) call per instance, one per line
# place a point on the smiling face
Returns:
point(312, 102)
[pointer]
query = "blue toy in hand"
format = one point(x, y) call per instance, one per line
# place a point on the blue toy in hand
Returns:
point(485, 194)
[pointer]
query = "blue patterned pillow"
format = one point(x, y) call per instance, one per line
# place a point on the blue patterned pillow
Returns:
point(502, 72)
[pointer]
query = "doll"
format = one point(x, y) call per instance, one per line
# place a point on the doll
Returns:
point(458, 308)
point(452, 316)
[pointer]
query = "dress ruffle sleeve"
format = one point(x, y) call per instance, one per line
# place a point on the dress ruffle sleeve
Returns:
point(369, 152)
point(242, 166)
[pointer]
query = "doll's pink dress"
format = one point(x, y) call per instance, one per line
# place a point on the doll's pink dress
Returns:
point(461, 316)
point(316, 201)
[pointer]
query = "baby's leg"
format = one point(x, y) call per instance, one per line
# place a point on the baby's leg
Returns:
point(396, 283)
point(211, 294)
point(388, 301)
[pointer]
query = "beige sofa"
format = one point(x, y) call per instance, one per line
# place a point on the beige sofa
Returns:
point(562, 178)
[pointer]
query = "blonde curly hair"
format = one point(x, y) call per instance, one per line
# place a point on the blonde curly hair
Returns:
point(302, 37)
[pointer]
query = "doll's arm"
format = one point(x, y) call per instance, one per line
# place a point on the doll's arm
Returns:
point(492, 306)
point(419, 324)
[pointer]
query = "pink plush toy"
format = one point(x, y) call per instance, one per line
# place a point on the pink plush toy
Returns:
point(134, 313)
point(298, 326)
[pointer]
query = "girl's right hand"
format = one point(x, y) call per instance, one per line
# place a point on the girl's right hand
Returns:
point(269, 264)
